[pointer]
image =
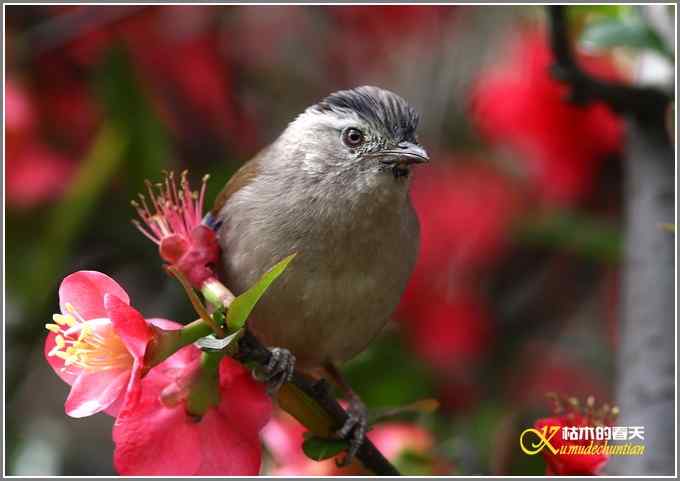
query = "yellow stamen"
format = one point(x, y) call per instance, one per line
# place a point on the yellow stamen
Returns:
point(84, 332)
point(87, 348)
point(62, 355)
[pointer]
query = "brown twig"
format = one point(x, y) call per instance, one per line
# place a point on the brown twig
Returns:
point(251, 350)
point(646, 105)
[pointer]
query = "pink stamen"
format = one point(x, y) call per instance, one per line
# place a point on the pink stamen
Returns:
point(176, 210)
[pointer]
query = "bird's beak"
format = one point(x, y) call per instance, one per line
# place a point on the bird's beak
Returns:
point(406, 153)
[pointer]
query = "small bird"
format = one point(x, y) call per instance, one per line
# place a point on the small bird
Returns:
point(333, 188)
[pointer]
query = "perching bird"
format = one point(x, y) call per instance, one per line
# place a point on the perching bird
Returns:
point(333, 188)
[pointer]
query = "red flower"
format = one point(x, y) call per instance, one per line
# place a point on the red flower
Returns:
point(98, 343)
point(450, 330)
point(284, 436)
point(70, 113)
point(517, 103)
point(389, 22)
point(175, 225)
point(572, 464)
point(465, 214)
point(156, 435)
point(384, 32)
point(197, 73)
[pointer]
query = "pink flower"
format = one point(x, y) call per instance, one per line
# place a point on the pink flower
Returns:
point(284, 436)
point(561, 146)
point(19, 110)
point(35, 172)
point(174, 223)
point(156, 435)
point(97, 344)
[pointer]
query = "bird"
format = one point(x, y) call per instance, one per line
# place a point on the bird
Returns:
point(333, 188)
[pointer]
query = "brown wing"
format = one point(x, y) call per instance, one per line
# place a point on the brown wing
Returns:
point(243, 176)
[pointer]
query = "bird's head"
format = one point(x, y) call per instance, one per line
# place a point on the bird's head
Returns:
point(366, 130)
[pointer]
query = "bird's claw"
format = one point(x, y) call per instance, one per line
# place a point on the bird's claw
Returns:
point(354, 429)
point(278, 370)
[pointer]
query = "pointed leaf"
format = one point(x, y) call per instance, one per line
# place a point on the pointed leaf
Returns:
point(242, 306)
point(318, 449)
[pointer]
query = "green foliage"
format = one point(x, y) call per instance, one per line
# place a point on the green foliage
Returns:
point(69, 216)
point(410, 463)
point(129, 109)
point(631, 32)
point(611, 11)
point(318, 449)
point(577, 233)
point(388, 374)
point(242, 306)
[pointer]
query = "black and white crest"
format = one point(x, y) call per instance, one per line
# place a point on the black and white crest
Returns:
point(383, 109)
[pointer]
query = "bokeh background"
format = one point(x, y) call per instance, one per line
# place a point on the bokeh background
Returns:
point(516, 290)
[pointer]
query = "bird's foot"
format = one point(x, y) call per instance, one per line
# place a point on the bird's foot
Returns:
point(354, 429)
point(278, 370)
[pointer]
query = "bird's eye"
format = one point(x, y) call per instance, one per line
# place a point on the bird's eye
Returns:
point(353, 137)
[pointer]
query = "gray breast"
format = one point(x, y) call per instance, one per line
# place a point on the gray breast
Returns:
point(354, 256)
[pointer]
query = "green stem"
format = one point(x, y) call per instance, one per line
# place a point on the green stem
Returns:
point(216, 293)
point(169, 342)
point(204, 392)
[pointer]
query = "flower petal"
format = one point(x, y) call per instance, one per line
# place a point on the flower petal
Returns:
point(129, 324)
point(165, 324)
point(224, 451)
point(67, 375)
point(93, 392)
point(154, 440)
point(85, 291)
point(243, 400)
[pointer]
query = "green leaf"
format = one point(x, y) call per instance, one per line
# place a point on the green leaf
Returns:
point(583, 235)
point(630, 32)
point(242, 306)
point(318, 449)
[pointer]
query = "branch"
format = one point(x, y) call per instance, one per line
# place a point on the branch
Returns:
point(645, 385)
point(646, 105)
point(251, 350)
